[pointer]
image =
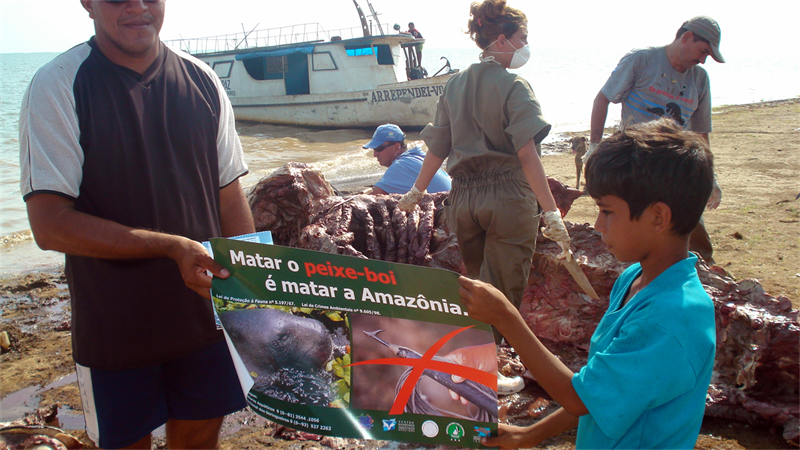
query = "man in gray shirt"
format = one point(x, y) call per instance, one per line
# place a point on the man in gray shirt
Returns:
point(666, 81)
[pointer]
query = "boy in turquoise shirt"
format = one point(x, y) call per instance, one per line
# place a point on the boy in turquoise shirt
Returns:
point(652, 354)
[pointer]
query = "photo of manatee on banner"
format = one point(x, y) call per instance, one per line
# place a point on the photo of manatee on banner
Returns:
point(341, 346)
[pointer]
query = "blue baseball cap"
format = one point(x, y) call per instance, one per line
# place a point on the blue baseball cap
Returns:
point(386, 133)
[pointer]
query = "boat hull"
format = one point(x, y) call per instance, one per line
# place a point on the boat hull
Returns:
point(409, 103)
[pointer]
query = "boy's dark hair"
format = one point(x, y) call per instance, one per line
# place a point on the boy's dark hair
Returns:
point(654, 162)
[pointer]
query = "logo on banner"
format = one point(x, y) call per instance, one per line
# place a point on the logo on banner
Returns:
point(365, 421)
point(389, 424)
point(482, 431)
point(455, 431)
point(430, 429)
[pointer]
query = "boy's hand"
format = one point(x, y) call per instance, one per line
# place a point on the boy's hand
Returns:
point(484, 302)
point(509, 436)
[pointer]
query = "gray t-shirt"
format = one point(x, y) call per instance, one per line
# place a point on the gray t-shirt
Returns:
point(649, 87)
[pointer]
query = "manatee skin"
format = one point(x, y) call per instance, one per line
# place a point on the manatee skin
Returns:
point(268, 339)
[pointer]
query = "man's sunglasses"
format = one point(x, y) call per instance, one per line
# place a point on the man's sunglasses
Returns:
point(384, 146)
point(117, 2)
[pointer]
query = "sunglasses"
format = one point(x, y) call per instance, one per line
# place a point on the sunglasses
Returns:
point(117, 2)
point(384, 146)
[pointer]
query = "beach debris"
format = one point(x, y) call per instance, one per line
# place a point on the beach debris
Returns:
point(39, 437)
point(5, 342)
point(34, 431)
point(578, 144)
point(757, 373)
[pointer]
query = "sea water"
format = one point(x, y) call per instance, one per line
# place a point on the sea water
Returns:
point(565, 82)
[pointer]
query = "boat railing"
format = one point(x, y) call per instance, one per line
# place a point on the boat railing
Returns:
point(293, 34)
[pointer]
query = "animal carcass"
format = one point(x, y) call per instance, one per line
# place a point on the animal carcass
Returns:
point(756, 370)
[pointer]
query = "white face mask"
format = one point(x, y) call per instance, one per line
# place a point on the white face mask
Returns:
point(521, 55)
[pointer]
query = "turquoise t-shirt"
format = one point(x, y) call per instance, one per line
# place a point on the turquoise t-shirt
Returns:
point(649, 364)
point(403, 171)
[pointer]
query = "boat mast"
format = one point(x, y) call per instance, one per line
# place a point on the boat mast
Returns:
point(246, 33)
point(375, 16)
point(361, 16)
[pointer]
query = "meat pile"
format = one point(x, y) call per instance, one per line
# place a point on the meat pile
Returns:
point(757, 371)
point(32, 432)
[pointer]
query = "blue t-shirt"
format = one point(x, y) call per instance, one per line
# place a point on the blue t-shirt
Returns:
point(402, 174)
point(650, 364)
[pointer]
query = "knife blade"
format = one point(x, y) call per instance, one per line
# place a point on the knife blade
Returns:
point(574, 269)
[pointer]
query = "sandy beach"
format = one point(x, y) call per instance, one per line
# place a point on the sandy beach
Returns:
point(755, 233)
point(757, 161)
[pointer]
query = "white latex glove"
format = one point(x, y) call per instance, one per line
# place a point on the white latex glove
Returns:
point(410, 199)
point(716, 196)
point(555, 230)
point(592, 147)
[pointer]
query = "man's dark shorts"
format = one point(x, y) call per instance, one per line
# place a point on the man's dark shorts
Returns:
point(123, 406)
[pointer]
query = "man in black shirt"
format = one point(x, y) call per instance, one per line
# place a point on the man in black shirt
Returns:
point(129, 159)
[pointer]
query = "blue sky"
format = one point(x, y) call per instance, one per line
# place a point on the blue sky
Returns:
point(768, 27)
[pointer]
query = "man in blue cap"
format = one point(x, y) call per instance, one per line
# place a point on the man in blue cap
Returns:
point(389, 147)
point(666, 82)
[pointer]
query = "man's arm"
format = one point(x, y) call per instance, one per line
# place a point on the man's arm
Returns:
point(599, 116)
point(57, 225)
point(236, 218)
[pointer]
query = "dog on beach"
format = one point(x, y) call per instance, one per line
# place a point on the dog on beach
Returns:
point(579, 149)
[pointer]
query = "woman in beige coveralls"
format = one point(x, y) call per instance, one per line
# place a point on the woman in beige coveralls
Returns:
point(490, 126)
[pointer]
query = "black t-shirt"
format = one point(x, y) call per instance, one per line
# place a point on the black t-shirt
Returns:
point(150, 152)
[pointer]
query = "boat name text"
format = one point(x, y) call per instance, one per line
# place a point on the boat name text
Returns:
point(392, 95)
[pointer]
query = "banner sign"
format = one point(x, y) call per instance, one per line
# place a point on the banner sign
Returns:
point(342, 346)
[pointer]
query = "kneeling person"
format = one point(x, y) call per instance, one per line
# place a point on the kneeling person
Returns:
point(389, 147)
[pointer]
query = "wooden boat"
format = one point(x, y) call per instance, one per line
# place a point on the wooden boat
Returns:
point(304, 75)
